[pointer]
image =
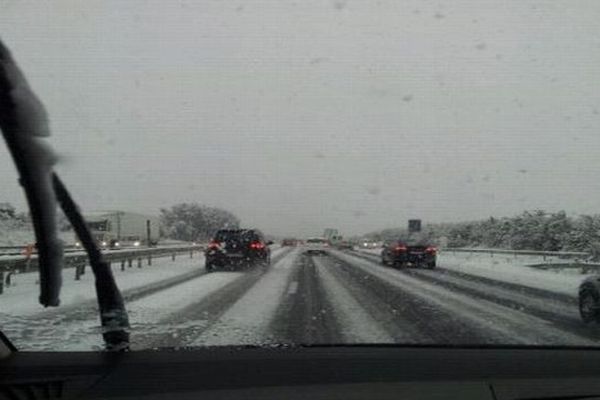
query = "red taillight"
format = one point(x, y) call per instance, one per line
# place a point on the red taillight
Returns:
point(400, 248)
point(257, 245)
point(214, 245)
point(431, 249)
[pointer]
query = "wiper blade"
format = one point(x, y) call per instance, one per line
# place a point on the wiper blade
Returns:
point(24, 122)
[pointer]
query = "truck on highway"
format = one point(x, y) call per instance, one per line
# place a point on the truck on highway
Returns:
point(118, 229)
point(332, 236)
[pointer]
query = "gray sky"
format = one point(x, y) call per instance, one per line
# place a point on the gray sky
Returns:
point(303, 115)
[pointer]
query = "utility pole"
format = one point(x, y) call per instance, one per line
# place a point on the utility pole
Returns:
point(118, 226)
point(148, 236)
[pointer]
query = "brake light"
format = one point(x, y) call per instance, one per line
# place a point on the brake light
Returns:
point(257, 245)
point(214, 245)
point(400, 248)
point(431, 249)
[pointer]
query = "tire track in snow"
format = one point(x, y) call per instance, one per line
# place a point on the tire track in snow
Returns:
point(77, 327)
point(407, 318)
point(558, 309)
point(500, 323)
point(567, 300)
point(247, 321)
point(305, 316)
point(183, 326)
point(556, 313)
point(146, 315)
point(357, 325)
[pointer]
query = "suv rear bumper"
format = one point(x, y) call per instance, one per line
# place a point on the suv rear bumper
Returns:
point(221, 259)
point(316, 250)
point(425, 258)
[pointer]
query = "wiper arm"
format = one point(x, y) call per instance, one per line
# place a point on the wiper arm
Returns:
point(24, 122)
point(113, 315)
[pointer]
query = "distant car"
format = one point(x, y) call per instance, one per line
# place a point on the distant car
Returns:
point(368, 244)
point(344, 245)
point(400, 254)
point(237, 248)
point(317, 246)
point(289, 242)
point(589, 299)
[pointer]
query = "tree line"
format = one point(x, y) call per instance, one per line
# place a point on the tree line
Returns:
point(530, 230)
point(184, 221)
point(195, 222)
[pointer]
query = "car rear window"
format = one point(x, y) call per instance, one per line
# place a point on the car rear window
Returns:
point(227, 235)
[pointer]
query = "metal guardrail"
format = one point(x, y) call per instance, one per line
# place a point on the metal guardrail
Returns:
point(18, 250)
point(560, 254)
point(491, 252)
point(79, 260)
point(71, 248)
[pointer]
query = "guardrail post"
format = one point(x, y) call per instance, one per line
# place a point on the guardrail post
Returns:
point(149, 259)
point(123, 265)
point(139, 260)
point(173, 257)
point(129, 262)
point(1, 281)
point(8, 280)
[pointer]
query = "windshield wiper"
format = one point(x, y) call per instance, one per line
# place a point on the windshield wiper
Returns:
point(24, 124)
point(113, 315)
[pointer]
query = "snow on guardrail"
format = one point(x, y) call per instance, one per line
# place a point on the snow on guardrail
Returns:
point(78, 260)
point(560, 254)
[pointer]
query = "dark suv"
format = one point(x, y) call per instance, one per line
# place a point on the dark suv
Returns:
point(237, 248)
point(400, 253)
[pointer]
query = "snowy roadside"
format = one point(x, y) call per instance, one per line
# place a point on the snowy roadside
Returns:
point(507, 268)
point(20, 299)
point(515, 270)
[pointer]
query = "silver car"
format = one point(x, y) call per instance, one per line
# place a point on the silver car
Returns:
point(316, 246)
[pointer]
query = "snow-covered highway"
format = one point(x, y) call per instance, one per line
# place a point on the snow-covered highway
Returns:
point(342, 297)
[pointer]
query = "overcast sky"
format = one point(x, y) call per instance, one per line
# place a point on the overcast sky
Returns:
point(301, 115)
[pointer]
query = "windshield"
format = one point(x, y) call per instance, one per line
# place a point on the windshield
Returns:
point(314, 172)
